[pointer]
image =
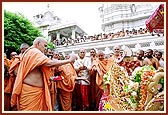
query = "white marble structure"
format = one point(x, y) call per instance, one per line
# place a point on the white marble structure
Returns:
point(116, 16)
point(52, 26)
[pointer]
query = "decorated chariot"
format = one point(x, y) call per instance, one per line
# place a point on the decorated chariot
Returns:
point(143, 91)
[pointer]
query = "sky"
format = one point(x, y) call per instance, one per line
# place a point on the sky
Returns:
point(85, 14)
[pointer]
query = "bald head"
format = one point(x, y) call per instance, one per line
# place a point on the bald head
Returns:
point(116, 50)
point(140, 51)
point(149, 53)
point(39, 39)
point(82, 53)
point(13, 54)
point(40, 43)
point(23, 47)
point(100, 55)
point(116, 47)
point(140, 54)
point(100, 52)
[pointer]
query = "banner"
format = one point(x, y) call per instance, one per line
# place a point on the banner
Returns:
point(156, 20)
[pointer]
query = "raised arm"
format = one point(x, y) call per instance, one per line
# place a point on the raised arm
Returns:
point(61, 62)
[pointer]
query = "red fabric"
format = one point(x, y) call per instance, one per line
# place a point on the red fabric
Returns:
point(7, 98)
point(93, 85)
point(129, 66)
point(57, 78)
point(81, 98)
point(85, 93)
point(99, 93)
point(156, 20)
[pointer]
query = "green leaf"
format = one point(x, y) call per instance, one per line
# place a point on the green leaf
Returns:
point(137, 77)
point(18, 30)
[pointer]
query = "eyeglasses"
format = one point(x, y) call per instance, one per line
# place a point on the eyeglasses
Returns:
point(116, 49)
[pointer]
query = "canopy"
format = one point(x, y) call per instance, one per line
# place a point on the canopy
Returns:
point(156, 21)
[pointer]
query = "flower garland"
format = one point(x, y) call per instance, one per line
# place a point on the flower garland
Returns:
point(126, 93)
point(142, 76)
point(117, 78)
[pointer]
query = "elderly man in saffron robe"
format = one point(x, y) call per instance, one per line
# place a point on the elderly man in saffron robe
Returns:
point(31, 88)
point(64, 79)
point(66, 86)
point(99, 69)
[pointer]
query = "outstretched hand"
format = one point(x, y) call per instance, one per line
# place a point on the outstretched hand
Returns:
point(72, 58)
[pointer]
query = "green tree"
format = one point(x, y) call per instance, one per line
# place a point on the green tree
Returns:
point(18, 30)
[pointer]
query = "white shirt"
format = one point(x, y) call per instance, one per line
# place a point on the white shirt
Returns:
point(161, 63)
point(83, 73)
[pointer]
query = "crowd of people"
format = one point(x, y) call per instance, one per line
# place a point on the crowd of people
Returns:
point(40, 79)
point(102, 36)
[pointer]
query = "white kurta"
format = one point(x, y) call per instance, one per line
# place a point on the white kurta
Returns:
point(83, 73)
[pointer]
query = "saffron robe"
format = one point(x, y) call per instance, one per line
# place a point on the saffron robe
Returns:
point(7, 96)
point(31, 59)
point(66, 86)
point(13, 67)
point(97, 90)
